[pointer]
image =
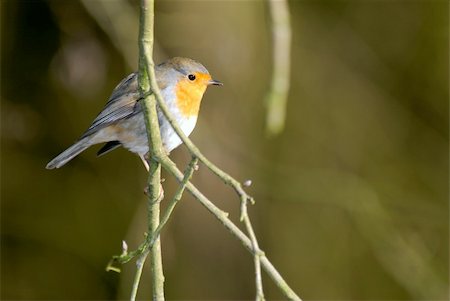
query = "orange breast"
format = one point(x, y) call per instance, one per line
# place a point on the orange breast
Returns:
point(189, 95)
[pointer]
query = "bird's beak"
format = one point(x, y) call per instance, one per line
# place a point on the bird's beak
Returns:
point(214, 82)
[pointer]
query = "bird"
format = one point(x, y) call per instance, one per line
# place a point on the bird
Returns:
point(182, 82)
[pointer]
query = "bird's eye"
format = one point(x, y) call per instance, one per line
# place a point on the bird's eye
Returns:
point(191, 77)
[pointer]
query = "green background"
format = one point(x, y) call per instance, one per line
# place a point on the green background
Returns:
point(352, 198)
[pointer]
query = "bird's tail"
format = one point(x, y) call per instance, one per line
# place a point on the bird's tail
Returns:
point(69, 153)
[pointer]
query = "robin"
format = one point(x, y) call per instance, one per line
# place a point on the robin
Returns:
point(182, 82)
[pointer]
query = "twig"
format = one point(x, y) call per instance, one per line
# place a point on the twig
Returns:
point(137, 278)
point(150, 240)
point(222, 216)
point(279, 88)
point(244, 197)
point(179, 193)
point(147, 83)
point(256, 251)
point(154, 199)
point(226, 178)
point(259, 256)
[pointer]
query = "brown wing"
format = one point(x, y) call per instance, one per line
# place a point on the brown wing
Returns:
point(122, 104)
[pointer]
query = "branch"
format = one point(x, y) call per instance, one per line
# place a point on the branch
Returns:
point(222, 216)
point(256, 251)
point(137, 278)
point(158, 158)
point(150, 239)
point(147, 83)
point(244, 197)
point(226, 178)
point(187, 176)
point(281, 40)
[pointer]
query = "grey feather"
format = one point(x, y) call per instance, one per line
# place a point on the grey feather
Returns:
point(122, 104)
point(69, 154)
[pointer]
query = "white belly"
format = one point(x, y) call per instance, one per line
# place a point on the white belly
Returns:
point(169, 138)
point(134, 134)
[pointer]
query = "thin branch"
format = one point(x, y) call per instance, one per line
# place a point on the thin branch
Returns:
point(179, 193)
point(222, 216)
point(137, 278)
point(226, 178)
point(256, 251)
point(147, 83)
point(279, 87)
point(150, 240)
point(244, 197)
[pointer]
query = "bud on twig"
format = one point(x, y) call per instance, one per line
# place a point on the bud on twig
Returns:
point(124, 247)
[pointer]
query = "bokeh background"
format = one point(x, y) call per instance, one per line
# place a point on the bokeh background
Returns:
point(352, 197)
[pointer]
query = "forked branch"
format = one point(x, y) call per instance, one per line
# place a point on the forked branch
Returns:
point(151, 245)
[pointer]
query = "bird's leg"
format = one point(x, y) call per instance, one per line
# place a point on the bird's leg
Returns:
point(144, 161)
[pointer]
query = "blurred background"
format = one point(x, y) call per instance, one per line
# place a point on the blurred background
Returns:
point(352, 197)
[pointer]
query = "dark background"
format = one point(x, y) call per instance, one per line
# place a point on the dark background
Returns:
point(352, 198)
